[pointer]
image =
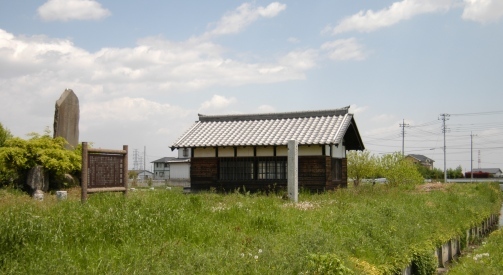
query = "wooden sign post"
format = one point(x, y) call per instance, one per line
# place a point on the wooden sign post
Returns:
point(104, 170)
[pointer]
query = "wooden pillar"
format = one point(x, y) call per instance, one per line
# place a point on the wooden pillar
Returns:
point(125, 168)
point(85, 173)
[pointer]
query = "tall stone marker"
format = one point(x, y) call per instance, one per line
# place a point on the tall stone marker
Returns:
point(66, 118)
point(293, 171)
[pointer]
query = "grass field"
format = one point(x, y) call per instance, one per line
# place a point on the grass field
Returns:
point(368, 230)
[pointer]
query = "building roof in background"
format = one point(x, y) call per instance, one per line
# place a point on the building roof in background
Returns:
point(141, 171)
point(171, 160)
point(487, 170)
point(421, 158)
point(163, 160)
point(323, 127)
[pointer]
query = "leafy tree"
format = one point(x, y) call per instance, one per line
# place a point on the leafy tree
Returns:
point(18, 156)
point(455, 173)
point(393, 167)
point(132, 174)
point(361, 165)
point(4, 135)
point(7, 176)
point(398, 170)
point(427, 173)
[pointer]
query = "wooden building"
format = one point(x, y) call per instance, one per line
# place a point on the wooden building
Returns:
point(250, 151)
point(422, 160)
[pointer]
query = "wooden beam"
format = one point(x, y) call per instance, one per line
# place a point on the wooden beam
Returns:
point(107, 151)
point(107, 189)
point(85, 173)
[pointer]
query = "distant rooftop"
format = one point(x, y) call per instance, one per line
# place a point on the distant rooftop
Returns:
point(421, 158)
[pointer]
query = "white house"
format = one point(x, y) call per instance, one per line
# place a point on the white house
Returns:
point(171, 168)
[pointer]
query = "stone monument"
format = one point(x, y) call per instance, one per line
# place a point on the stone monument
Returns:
point(66, 118)
point(38, 179)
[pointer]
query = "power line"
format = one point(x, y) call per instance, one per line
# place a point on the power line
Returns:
point(479, 113)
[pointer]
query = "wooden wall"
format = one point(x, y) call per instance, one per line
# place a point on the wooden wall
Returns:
point(315, 174)
point(203, 172)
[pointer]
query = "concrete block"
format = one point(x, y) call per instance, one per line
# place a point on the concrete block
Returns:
point(407, 270)
point(61, 195)
point(455, 248)
point(443, 254)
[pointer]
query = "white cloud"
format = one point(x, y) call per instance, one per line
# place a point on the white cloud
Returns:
point(66, 10)
point(367, 21)
point(483, 11)
point(217, 102)
point(293, 40)
point(24, 56)
point(161, 65)
point(344, 49)
point(244, 15)
point(301, 59)
point(127, 109)
point(37, 69)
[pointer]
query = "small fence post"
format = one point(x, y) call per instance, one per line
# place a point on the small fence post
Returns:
point(125, 169)
point(85, 173)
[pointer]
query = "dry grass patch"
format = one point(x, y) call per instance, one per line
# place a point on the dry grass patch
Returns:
point(434, 186)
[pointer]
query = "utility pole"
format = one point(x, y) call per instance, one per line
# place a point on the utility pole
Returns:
point(403, 125)
point(444, 130)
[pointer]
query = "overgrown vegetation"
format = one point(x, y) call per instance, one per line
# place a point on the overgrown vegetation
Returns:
point(486, 259)
point(18, 156)
point(367, 230)
point(393, 167)
point(5, 134)
point(432, 174)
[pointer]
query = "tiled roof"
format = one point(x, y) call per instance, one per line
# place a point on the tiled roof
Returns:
point(421, 158)
point(308, 128)
point(163, 160)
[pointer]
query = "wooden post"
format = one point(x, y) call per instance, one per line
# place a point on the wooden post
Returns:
point(125, 169)
point(85, 173)
point(293, 171)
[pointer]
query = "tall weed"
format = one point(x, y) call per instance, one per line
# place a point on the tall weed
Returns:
point(377, 229)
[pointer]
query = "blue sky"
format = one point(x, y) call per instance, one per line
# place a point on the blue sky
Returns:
point(143, 70)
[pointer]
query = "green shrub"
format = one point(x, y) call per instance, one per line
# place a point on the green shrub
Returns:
point(326, 264)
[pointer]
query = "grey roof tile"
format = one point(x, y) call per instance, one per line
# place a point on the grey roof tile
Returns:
point(312, 127)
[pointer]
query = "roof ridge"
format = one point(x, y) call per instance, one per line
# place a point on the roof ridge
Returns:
point(266, 116)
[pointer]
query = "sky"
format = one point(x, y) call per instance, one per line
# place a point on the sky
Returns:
point(144, 70)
